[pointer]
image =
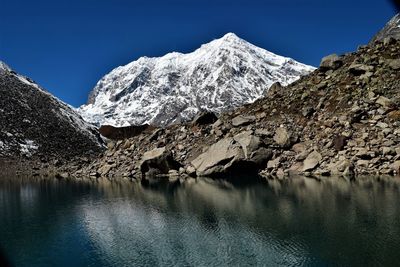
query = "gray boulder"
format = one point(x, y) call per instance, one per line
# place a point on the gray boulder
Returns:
point(158, 161)
point(242, 120)
point(242, 154)
point(331, 62)
point(312, 161)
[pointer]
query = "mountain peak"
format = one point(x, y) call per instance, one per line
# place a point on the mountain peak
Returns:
point(219, 76)
point(230, 36)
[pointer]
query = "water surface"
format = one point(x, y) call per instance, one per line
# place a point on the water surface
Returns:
point(299, 222)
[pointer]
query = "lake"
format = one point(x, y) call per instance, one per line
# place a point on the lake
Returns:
point(296, 222)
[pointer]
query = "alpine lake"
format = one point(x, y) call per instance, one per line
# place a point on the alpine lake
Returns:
point(200, 222)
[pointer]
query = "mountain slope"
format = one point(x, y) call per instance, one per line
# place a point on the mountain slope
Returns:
point(391, 29)
point(221, 75)
point(35, 123)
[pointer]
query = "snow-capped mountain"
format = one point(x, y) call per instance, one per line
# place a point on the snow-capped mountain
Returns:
point(391, 29)
point(32, 121)
point(221, 75)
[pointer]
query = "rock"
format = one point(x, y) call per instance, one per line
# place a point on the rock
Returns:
point(339, 142)
point(276, 88)
point(241, 154)
point(395, 64)
point(299, 148)
point(120, 133)
point(385, 102)
point(382, 125)
point(105, 169)
point(205, 118)
point(331, 62)
point(363, 153)
point(248, 142)
point(362, 163)
point(242, 120)
point(63, 175)
point(261, 156)
point(388, 151)
point(359, 69)
point(159, 160)
point(396, 166)
point(308, 111)
point(312, 161)
point(282, 137)
point(218, 158)
point(273, 164)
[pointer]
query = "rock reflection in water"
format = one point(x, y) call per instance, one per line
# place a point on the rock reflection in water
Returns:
point(201, 222)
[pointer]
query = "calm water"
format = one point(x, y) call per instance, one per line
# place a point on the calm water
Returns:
point(301, 222)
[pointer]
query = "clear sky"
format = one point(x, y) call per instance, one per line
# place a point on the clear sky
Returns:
point(68, 45)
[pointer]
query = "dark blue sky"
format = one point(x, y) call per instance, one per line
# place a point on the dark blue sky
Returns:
point(67, 46)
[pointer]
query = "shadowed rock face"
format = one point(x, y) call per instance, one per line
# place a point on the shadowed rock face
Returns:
point(392, 29)
point(35, 123)
point(119, 133)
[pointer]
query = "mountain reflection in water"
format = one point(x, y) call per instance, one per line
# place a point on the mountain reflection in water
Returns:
point(302, 222)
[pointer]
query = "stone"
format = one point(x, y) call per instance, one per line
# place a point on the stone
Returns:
point(388, 151)
point(276, 88)
point(331, 62)
point(359, 69)
point(282, 137)
point(299, 148)
point(218, 158)
point(248, 142)
point(273, 164)
point(382, 125)
point(159, 160)
point(308, 111)
point(363, 153)
point(105, 169)
point(394, 64)
point(385, 102)
point(242, 120)
point(339, 142)
point(261, 156)
point(312, 161)
point(395, 166)
point(205, 118)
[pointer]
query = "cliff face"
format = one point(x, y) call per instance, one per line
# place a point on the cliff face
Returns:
point(342, 119)
point(33, 123)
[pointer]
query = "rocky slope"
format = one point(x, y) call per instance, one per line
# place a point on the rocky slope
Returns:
point(219, 76)
point(36, 125)
point(342, 119)
point(391, 30)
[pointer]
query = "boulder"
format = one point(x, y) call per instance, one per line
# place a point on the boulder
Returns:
point(312, 161)
point(339, 142)
point(276, 88)
point(359, 69)
point(282, 137)
point(205, 118)
point(395, 64)
point(218, 158)
point(158, 161)
point(242, 154)
point(331, 62)
point(386, 103)
point(248, 142)
point(242, 120)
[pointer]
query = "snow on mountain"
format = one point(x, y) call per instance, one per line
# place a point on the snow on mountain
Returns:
point(221, 75)
point(34, 121)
